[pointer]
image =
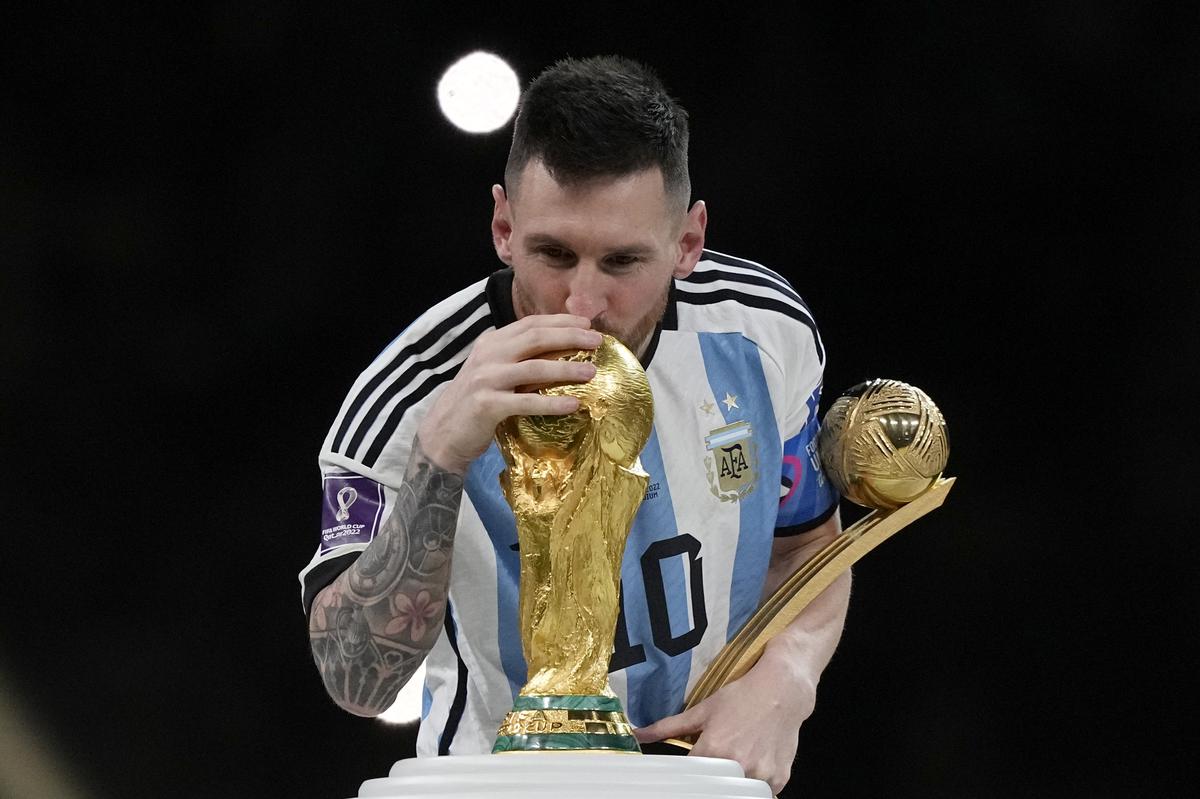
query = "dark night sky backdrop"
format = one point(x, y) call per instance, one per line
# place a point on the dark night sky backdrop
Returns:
point(215, 217)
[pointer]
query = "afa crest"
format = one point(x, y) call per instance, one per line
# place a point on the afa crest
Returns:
point(732, 462)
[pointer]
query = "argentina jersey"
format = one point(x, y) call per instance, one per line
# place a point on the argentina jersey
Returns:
point(736, 371)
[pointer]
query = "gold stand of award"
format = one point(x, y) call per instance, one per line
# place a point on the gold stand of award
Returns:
point(883, 445)
point(575, 483)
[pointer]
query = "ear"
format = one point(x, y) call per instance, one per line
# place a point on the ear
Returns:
point(502, 224)
point(691, 239)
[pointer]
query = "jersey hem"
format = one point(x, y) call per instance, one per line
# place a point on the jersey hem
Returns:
point(812, 524)
point(315, 578)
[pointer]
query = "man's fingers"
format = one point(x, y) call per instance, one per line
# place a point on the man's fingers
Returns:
point(541, 372)
point(534, 405)
point(689, 722)
point(540, 340)
point(537, 335)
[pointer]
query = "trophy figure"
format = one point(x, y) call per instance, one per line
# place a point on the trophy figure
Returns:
point(883, 445)
point(575, 483)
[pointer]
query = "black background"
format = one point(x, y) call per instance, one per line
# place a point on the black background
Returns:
point(214, 218)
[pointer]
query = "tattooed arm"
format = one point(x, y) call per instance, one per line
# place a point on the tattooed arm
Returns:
point(372, 626)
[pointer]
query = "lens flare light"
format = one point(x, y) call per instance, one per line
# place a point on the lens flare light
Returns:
point(407, 706)
point(479, 92)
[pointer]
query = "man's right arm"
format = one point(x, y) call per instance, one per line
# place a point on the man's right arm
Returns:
point(371, 627)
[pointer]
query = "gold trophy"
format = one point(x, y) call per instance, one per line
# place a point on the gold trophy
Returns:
point(575, 483)
point(883, 445)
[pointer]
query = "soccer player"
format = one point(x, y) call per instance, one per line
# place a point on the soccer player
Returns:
point(417, 558)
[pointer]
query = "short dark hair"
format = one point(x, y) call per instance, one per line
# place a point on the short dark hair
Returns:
point(599, 117)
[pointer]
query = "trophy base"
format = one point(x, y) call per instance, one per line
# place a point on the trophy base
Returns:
point(566, 724)
point(580, 775)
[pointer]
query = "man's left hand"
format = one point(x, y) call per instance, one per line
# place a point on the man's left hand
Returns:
point(753, 720)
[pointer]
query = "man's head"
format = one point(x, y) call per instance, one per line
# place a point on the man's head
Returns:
point(601, 117)
point(594, 217)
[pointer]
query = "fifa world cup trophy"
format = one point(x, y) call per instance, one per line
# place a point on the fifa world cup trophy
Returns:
point(575, 483)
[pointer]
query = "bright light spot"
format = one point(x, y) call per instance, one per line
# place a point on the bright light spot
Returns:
point(407, 706)
point(479, 92)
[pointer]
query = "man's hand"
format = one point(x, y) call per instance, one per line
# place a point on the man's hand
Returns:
point(754, 720)
point(460, 425)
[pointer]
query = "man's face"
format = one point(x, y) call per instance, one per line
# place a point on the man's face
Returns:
point(605, 250)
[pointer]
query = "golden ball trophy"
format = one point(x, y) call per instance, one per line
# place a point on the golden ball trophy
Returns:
point(883, 444)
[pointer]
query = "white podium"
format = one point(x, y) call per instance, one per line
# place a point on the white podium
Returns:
point(567, 775)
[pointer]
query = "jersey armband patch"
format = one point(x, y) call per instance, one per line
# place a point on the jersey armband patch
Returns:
point(351, 510)
point(805, 494)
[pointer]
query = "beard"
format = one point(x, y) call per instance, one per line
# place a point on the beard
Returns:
point(635, 335)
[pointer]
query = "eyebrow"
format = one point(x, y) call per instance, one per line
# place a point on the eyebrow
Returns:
point(541, 239)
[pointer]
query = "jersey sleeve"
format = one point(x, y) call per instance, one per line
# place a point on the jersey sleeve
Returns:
point(366, 451)
point(807, 499)
point(353, 509)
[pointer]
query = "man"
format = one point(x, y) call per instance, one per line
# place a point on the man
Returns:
point(594, 225)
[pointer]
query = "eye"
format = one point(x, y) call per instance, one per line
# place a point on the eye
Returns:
point(622, 261)
point(553, 253)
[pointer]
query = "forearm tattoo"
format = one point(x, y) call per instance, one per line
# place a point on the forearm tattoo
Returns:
point(373, 625)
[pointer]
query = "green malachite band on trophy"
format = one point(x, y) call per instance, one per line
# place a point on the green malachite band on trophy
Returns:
point(607, 703)
point(565, 742)
point(566, 723)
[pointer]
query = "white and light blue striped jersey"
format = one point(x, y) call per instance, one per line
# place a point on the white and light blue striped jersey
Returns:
point(735, 367)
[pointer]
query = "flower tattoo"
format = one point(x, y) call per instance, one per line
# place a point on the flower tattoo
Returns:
point(413, 614)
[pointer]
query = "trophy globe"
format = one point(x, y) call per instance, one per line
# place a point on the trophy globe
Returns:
point(883, 444)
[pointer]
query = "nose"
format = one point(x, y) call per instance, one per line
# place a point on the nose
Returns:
point(585, 292)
